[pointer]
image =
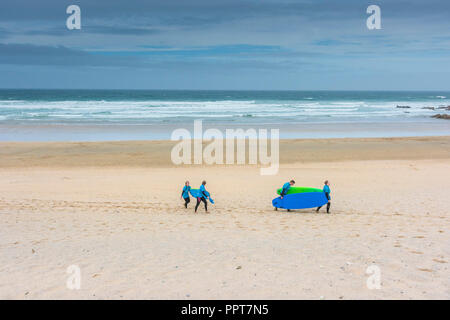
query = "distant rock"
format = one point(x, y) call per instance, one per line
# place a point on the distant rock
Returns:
point(445, 108)
point(429, 108)
point(441, 116)
point(403, 107)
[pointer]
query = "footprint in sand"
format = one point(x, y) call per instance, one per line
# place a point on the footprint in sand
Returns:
point(439, 261)
point(416, 252)
point(425, 269)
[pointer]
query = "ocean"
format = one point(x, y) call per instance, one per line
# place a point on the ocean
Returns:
point(42, 115)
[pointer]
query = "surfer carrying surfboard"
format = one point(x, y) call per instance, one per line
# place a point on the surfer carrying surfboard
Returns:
point(327, 191)
point(286, 187)
point(202, 197)
point(185, 193)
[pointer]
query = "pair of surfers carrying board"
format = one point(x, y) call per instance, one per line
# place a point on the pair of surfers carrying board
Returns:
point(200, 194)
point(302, 197)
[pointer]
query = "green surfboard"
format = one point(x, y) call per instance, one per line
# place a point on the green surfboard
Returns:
point(293, 190)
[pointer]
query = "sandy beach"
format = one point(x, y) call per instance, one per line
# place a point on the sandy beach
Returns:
point(114, 210)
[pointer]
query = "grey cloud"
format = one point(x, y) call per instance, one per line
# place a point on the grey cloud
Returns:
point(199, 35)
point(27, 54)
point(202, 12)
point(4, 33)
point(96, 29)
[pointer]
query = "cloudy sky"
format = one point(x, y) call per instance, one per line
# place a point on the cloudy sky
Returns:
point(226, 44)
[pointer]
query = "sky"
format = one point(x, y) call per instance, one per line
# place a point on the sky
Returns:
point(226, 44)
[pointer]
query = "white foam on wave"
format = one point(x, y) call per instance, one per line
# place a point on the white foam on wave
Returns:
point(133, 110)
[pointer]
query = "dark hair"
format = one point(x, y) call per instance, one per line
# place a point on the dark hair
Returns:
point(326, 182)
point(292, 181)
point(203, 182)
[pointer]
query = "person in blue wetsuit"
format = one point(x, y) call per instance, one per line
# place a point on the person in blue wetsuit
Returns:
point(327, 191)
point(185, 193)
point(203, 197)
point(286, 187)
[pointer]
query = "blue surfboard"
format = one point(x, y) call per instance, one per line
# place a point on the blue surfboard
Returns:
point(300, 200)
point(196, 194)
